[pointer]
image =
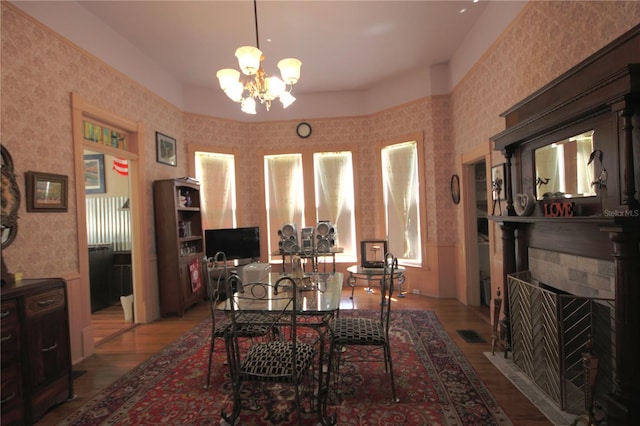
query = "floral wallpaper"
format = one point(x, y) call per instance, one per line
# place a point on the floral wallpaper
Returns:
point(40, 69)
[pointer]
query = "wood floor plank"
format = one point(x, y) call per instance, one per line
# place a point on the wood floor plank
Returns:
point(124, 351)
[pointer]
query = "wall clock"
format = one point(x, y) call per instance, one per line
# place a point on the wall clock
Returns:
point(455, 189)
point(303, 130)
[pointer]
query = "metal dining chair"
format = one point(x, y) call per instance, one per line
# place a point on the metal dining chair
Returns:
point(217, 291)
point(218, 325)
point(284, 360)
point(371, 334)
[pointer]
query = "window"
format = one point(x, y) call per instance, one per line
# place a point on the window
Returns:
point(401, 194)
point(216, 173)
point(284, 194)
point(332, 198)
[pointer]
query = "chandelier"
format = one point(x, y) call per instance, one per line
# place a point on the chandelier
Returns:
point(255, 84)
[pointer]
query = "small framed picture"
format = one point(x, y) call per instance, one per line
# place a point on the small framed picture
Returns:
point(166, 150)
point(46, 192)
point(94, 182)
point(372, 253)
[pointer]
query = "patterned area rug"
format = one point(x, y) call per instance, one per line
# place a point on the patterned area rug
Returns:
point(434, 382)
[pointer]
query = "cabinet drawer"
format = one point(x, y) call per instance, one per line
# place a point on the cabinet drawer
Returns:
point(9, 313)
point(11, 394)
point(9, 345)
point(42, 303)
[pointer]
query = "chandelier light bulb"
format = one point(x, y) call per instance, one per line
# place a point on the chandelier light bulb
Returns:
point(227, 77)
point(290, 70)
point(275, 87)
point(287, 99)
point(249, 59)
point(248, 105)
point(234, 91)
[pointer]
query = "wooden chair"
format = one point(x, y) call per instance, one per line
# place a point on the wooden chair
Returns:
point(371, 333)
point(284, 360)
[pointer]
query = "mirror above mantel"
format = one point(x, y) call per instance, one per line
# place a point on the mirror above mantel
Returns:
point(563, 170)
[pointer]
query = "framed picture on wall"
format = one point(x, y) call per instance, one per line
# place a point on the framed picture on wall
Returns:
point(46, 192)
point(94, 179)
point(166, 150)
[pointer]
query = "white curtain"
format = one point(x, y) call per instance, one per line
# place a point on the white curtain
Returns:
point(401, 195)
point(216, 173)
point(284, 194)
point(335, 197)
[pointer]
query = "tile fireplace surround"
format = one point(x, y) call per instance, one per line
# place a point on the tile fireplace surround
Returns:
point(577, 275)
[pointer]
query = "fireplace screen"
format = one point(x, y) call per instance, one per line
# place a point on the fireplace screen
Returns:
point(550, 331)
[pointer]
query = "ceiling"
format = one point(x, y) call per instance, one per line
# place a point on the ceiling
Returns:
point(343, 45)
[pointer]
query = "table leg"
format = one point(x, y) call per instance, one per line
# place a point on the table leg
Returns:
point(401, 280)
point(352, 283)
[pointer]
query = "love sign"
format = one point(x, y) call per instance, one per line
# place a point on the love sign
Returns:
point(559, 209)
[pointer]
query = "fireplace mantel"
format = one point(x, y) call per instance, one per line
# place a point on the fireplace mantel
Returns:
point(602, 94)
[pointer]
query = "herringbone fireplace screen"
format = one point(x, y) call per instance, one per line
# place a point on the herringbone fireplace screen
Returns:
point(550, 331)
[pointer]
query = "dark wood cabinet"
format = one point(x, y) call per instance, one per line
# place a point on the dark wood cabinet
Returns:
point(100, 263)
point(36, 355)
point(179, 244)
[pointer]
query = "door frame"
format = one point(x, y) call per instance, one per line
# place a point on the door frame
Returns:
point(471, 269)
point(138, 204)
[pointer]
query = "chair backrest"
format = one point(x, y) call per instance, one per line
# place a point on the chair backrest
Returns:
point(214, 287)
point(386, 288)
point(260, 305)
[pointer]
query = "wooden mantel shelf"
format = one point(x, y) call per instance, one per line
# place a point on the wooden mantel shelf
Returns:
point(596, 220)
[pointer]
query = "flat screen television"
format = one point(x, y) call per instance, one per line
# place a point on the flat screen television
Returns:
point(235, 243)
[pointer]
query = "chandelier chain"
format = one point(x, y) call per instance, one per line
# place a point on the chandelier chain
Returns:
point(255, 17)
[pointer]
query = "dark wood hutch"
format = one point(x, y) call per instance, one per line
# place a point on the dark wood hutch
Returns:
point(600, 94)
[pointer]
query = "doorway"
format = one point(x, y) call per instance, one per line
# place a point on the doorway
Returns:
point(477, 232)
point(108, 219)
point(482, 229)
point(122, 138)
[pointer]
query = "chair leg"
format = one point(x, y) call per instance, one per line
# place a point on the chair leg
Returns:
point(233, 418)
point(387, 360)
point(211, 347)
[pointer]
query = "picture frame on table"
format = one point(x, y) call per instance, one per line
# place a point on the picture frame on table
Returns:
point(372, 253)
point(94, 177)
point(166, 152)
point(46, 192)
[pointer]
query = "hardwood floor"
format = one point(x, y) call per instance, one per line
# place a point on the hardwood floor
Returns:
point(118, 354)
point(108, 323)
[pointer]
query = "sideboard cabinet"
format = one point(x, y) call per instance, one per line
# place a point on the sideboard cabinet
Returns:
point(179, 244)
point(35, 346)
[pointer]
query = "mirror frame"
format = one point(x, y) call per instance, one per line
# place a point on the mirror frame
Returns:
point(10, 200)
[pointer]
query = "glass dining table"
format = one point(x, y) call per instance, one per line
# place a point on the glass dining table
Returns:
point(318, 300)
